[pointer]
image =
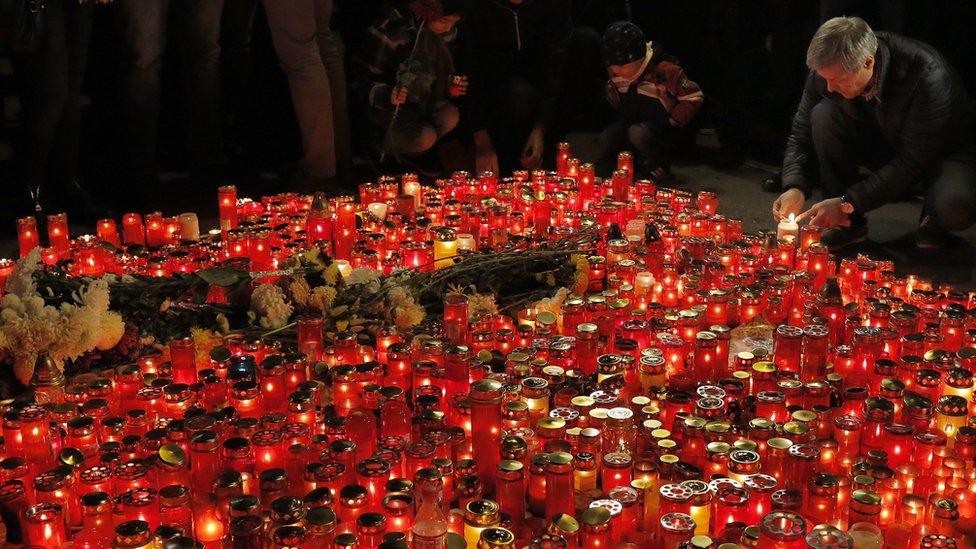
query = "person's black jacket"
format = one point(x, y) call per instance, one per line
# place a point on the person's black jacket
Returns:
point(499, 38)
point(922, 110)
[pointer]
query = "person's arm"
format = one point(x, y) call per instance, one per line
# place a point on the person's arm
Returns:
point(688, 96)
point(556, 33)
point(375, 69)
point(799, 145)
point(932, 121)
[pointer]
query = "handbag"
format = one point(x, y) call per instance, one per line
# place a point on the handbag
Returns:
point(22, 27)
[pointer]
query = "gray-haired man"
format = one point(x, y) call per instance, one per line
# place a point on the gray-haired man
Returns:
point(895, 106)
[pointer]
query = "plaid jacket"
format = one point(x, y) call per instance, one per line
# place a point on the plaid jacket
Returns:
point(386, 48)
point(661, 92)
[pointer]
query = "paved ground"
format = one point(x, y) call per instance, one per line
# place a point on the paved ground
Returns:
point(891, 227)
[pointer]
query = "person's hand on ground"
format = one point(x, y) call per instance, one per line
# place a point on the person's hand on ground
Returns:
point(485, 158)
point(532, 152)
point(826, 214)
point(459, 85)
point(790, 202)
point(399, 95)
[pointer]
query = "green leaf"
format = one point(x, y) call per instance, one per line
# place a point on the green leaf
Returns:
point(220, 276)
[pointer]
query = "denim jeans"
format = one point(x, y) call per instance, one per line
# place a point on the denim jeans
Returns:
point(311, 58)
point(52, 109)
point(143, 29)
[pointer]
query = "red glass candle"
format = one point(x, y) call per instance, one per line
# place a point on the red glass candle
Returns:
point(456, 317)
point(227, 207)
point(559, 484)
point(57, 232)
point(44, 525)
point(27, 235)
point(133, 231)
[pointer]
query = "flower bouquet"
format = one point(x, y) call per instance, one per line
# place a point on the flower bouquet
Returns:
point(34, 328)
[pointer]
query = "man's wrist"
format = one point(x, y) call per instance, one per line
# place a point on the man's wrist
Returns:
point(847, 205)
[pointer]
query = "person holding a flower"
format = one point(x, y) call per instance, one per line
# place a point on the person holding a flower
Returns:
point(405, 79)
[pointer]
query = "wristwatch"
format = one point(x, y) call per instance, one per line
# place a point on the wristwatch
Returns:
point(846, 205)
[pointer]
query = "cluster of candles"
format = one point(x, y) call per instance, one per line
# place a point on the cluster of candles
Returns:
point(619, 418)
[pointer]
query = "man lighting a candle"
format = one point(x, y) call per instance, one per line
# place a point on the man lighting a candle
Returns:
point(890, 104)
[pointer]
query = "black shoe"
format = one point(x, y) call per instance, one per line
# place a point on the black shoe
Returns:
point(773, 183)
point(839, 238)
point(930, 236)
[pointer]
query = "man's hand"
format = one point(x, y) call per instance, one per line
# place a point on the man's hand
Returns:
point(399, 95)
point(532, 152)
point(790, 202)
point(826, 214)
point(485, 158)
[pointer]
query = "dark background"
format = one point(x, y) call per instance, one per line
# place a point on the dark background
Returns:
point(748, 56)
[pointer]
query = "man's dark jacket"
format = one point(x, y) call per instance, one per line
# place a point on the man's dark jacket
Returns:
point(499, 39)
point(921, 109)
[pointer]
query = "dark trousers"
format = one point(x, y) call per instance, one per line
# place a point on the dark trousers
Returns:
point(52, 109)
point(311, 57)
point(845, 138)
point(237, 65)
point(514, 97)
point(653, 143)
point(143, 26)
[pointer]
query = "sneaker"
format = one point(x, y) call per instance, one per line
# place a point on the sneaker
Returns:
point(930, 236)
point(839, 238)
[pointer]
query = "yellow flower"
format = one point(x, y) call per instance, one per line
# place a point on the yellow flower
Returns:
point(301, 293)
point(204, 340)
point(331, 274)
point(550, 279)
point(322, 298)
point(581, 277)
point(110, 331)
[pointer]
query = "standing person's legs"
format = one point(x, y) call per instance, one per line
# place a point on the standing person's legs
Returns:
point(64, 156)
point(45, 95)
point(237, 64)
point(331, 52)
point(199, 32)
point(951, 198)
point(143, 32)
point(294, 34)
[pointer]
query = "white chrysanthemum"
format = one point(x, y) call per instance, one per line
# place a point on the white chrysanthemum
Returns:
point(21, 281)
point(269, 304)
point(110, 332)
point(479, 304)
point(362, 275)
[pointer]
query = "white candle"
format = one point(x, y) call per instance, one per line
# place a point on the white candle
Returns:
point(643, 282)
point(787, 228)
point(413, 189)
point(189, 227)
point(466, 242)
point(378, 210)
